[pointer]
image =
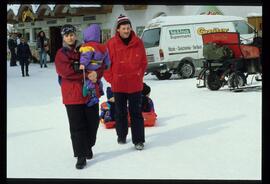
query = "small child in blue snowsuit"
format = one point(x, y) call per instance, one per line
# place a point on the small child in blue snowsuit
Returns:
point(108, 113)
point(94, 55)
point(147, 103)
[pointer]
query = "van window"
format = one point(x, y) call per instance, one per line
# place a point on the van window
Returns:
point(242, 27)
point(151, 37)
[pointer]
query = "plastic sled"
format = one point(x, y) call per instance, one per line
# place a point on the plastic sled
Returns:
point(149, 120)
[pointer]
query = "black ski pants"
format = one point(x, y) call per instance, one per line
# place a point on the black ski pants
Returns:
point(24, 62)
point(135, 110)
point(83, 125)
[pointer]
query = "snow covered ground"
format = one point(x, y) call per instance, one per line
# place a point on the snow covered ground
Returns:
point(200, 134)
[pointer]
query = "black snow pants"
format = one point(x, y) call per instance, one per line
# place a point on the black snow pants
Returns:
point(135, 110)
point(24, 62)
point(83, 125)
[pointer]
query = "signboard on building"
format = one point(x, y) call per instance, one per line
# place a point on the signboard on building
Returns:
point(27, 14)
point(209, 10)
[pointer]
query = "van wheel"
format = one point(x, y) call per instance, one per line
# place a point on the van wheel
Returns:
point(186, 70)
point(212, 81)
point(163, 76)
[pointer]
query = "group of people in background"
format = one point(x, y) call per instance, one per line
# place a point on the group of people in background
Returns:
point(20, 51)
point(80, 67)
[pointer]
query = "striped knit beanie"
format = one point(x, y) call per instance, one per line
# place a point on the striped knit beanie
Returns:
point(122, 20)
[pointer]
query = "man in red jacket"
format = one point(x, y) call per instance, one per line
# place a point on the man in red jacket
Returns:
point(128, 65)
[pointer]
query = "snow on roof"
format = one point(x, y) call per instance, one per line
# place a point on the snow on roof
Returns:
point(171, 20)
point(254, 15)
point(51, 6)
point(35, 7)
point(14, 7)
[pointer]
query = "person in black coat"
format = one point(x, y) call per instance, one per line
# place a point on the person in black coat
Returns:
point(12, 44)
point(24, 54)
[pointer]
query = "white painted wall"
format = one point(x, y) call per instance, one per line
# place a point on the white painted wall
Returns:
point(141, 17)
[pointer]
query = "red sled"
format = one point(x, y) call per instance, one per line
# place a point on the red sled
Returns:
point(109, 124)
point(149, 119)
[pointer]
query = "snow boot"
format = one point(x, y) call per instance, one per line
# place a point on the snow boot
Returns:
point(139, 146)
point(90, 156)
point(81, 163)
point(121, 140)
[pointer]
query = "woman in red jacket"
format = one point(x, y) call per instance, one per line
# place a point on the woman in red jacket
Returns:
point(128, 64)
point(83, 120)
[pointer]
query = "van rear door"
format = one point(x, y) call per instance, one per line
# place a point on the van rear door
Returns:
point(151, 41)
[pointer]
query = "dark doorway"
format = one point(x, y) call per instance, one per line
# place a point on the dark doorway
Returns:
point(55, 41)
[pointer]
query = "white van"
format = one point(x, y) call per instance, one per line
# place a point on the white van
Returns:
point(174, 43)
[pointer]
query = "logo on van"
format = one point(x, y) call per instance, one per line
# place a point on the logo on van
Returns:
point(179, 33)
point(202, 30)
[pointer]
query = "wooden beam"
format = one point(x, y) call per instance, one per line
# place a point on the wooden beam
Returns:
point(135, 7)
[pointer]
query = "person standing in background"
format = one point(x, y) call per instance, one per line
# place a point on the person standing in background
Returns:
point(12, 45)
point(19, 35)
point(42, 44)
point(24, 54)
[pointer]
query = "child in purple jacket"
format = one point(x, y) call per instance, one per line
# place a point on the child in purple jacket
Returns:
point(94, 55)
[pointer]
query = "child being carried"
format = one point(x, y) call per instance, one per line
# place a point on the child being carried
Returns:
point(94, 56)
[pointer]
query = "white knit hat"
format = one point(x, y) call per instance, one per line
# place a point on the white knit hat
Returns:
point(122, 19)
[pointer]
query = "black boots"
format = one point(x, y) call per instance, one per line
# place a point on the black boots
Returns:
point(121, 140)
point(139, 146)
point(26, 75)
point(81, 162)
point(90, 156)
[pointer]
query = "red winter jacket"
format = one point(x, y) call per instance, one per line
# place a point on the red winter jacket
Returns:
point(72, 82)
point(128, 64)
